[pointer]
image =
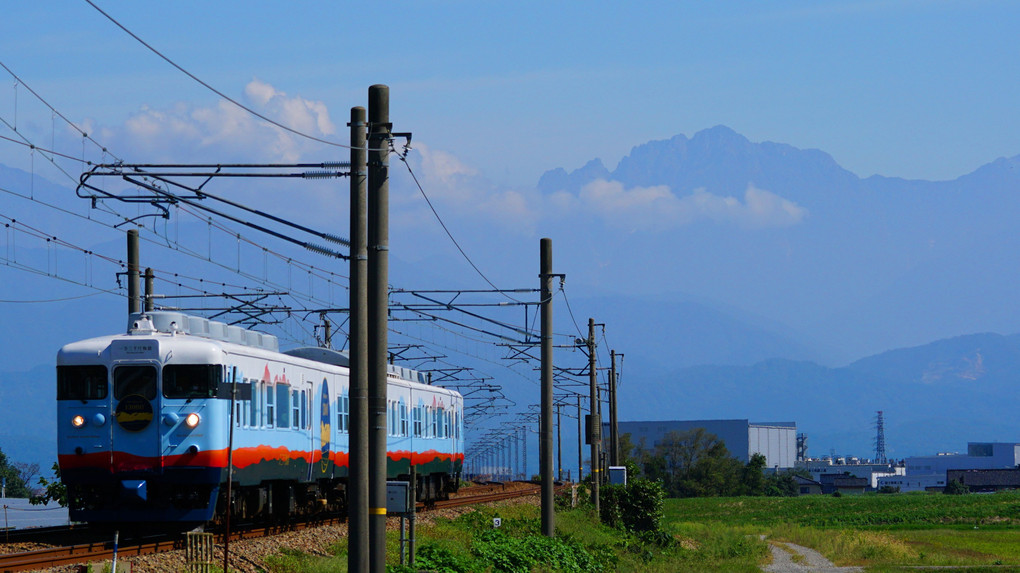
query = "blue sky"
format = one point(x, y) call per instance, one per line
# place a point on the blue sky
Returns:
point(498, 93)
point(915, 89)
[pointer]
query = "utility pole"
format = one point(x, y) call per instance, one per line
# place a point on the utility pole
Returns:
point(594, 427)
point(614, 431)
point(378, 308)
point(357, 467)
point(150, 280)
point(559, 444)
point(580, 441)
point(134, 281)
point(545, 437)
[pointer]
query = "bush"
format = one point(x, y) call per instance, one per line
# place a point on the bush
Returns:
point(520, 554)
point(955, 488)
point(636, 506)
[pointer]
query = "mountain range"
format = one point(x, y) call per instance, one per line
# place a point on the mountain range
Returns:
point(775, 285)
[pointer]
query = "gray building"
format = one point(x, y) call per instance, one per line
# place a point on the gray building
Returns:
point(777, 441)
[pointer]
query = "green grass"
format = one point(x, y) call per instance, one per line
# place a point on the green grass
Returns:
point(898, 532)
point(469, 543)
point(882, 532)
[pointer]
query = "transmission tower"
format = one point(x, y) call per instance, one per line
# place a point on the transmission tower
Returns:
point(880, 439)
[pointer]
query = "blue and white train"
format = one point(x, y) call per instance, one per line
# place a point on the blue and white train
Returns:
point(144, 425)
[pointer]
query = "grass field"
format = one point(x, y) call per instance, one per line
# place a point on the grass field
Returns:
point(881, 532)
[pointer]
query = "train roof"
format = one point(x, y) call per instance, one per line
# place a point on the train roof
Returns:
point(178, 322)
point(171, 322)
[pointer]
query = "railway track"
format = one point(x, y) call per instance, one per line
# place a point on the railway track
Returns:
point(80, 553)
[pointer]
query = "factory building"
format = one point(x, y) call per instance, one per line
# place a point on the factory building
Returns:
point(777, 441)
point(929, 472)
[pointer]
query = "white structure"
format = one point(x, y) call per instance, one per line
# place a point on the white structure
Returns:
point(777, 441)
point(873, 472)
point(930, 471)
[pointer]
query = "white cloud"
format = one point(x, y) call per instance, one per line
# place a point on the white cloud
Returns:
point(658, 208)
point(225, 132)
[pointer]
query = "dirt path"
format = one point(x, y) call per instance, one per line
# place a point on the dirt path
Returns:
point(784, 560)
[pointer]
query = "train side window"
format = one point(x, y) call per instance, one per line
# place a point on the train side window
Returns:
point(403, 418)
point(416, 413)
point(433, 420)
point(81, 382)
point(189, 381)
point(343, 412)
point(253, 406)
point(131, 380)
point(295, 402)
point(270, 405)
point(282, 406)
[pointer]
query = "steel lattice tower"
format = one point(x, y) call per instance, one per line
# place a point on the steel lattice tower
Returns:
point(880, 439)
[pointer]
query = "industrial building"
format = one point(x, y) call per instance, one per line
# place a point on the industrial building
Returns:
point(777, 441)
point(929, 472)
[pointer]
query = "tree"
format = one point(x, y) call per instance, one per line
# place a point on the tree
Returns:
point(16, 486)
point(753, 476)
point(52, 490)
point(697, 463)
point(956, 488)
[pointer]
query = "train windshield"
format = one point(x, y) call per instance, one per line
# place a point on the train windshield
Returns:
point(129, 380)
point(81, 382)
point(191, 380)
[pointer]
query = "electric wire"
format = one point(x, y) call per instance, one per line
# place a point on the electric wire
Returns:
point(211, 88)
point(446, 229)
point(56, 111)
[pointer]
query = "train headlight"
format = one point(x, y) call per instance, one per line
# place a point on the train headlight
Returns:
point(78, 421)
point(192, 420)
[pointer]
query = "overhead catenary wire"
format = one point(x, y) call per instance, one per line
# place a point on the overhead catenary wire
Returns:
point(295, 294)
point(210, 87)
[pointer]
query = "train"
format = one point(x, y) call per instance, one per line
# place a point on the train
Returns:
point(152, 423)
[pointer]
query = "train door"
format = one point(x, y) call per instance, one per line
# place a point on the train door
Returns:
point(135, 437)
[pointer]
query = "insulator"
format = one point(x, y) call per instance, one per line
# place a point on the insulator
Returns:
point(336, 239)
point(324, 251)
point(336, 164)
point(321, 174)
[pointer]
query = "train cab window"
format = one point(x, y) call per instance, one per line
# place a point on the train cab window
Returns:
point(81, 382)
point(188, 381)
point(131, 380)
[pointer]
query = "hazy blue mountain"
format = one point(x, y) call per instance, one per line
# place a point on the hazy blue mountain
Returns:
point(714, 319)
point(935, 397)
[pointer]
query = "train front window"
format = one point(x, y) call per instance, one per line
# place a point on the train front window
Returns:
point(81, 382)
point(130, 380)
point(191, 380)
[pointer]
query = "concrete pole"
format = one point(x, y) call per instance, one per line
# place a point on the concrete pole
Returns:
point(614, 430)
point(357, 467)
point(580, 441)
point(150, 281)
point(545, 437)
point(134, 280)
point(559, 443)
point(595, 425)
point(378, 308)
